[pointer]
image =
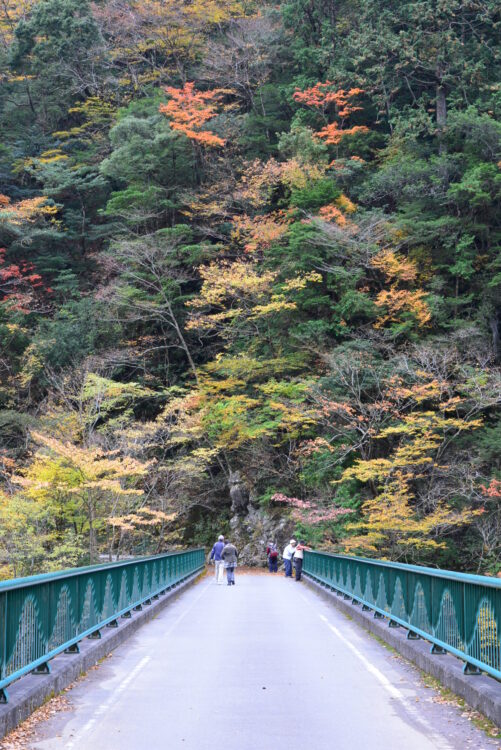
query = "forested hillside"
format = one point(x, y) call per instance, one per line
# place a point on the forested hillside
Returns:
point(250, 254)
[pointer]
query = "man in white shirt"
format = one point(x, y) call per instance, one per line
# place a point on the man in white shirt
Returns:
point(288, 555)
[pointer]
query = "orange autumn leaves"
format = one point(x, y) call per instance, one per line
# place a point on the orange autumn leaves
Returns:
point(323, 98)
point(260, 232)
point(337, 212)
point(189, 110)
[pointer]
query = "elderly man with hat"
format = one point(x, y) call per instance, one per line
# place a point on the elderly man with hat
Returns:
point(218, 560)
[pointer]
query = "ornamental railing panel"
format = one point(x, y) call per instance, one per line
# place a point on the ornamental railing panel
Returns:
point(457, 612)
point(42, 616)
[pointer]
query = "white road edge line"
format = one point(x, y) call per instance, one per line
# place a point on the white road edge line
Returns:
point(388, 686)
point(107, 704)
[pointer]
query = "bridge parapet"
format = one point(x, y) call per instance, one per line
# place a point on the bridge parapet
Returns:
point(458, 613)
point(42, 616)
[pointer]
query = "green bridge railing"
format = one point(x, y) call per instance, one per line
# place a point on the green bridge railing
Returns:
point(42, 616)
point(456, 612)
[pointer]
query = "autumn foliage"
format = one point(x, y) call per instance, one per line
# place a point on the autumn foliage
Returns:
point(27, 210)
point(331, 103)
point(20, 285)
point(256, 245)
point(493, 490)
point(189, 110)
point(396, 299)
point(310, 511)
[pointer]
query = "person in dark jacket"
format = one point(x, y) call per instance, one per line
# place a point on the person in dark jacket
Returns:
point(218, 560)
point(230, 556)
point(272, 554)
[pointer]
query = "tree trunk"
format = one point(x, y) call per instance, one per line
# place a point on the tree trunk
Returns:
point(441, 110)
point(92, 539)
point(496, 343)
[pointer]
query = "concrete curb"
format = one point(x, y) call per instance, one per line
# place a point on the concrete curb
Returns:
point(479, 691)
point(32, 691)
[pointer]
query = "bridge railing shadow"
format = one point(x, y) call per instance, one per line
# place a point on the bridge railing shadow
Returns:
point(42, 616)
point(456, 612)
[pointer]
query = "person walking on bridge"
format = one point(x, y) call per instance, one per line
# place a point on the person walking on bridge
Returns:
point(230, 556)
point(288, 555)
point(218, 560)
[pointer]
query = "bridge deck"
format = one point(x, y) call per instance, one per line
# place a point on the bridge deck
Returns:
point(262, 665)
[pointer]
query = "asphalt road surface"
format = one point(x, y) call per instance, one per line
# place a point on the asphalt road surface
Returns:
point(266, 664)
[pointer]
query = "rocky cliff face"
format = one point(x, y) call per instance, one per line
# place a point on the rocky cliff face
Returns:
point(239, 493)
point(250, 533)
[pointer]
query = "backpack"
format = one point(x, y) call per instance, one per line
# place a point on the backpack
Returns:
point(273, 551)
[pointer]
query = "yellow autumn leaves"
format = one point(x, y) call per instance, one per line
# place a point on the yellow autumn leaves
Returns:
point(239, 291)
point(392, 521)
